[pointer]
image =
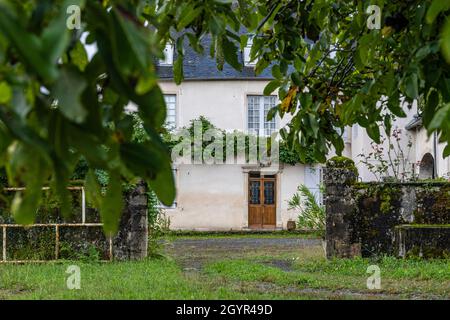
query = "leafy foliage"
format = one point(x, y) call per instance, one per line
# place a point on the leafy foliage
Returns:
point(311, 213)
point(287, 154)
point(332, 70)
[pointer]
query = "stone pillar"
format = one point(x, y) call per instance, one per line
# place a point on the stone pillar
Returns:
point(131, 242)
point(339, 176)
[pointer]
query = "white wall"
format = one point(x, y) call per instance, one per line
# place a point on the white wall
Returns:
point(361, 144)
point(215, 197)
point(223, 102)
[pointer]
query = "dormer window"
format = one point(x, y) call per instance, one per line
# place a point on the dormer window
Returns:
point(247, 50)
point(168, 55)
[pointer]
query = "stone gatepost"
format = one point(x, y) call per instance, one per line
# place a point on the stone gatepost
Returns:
point(340, 174)
point(131, 242)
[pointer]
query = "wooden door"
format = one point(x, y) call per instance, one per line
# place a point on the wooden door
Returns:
point(262, 202)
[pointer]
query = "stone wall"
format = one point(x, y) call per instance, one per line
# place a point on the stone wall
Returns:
point(72, 240)
point(131, 242)
point(364, 218)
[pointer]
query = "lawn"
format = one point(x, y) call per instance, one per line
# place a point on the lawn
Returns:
point(203, 268)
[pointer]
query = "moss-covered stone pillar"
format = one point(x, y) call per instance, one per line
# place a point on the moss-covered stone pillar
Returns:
point(131, 242)
point(340, 174)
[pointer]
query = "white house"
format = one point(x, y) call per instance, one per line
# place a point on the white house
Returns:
point(243, 196)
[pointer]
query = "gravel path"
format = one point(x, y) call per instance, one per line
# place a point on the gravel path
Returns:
point(192, 254)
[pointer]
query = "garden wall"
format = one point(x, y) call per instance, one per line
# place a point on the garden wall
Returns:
point(54, 237)
point(370, 219)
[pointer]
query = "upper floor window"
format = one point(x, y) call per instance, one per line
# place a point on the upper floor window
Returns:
point(247, 50)
point(168, 55)
point(258, 108)
point(171, 104)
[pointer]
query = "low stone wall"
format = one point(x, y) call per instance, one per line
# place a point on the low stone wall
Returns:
point(428, 241)
point(362, 218)
point(74, 240)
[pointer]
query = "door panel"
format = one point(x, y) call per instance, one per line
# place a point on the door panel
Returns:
point(269, 216)
point(262, 203)
point(255, 212)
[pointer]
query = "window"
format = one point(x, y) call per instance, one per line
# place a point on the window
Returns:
point(171, 104)
point(258, 108)
point(247, 51)
point(168, 55)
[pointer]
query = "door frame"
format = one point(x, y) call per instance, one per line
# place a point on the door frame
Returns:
point(263, 178)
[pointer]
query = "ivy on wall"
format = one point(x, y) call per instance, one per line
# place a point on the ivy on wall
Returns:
point(287, 155)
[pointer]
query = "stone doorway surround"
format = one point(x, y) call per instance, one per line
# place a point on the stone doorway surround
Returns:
point(262, 170)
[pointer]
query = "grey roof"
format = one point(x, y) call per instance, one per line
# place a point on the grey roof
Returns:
point(203, 67)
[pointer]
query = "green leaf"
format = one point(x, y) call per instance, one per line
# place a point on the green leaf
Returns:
point(446, 151)
point(216, 25)
point(138, 39)
point(93, 189)
point(412, 86)
point(5, 93)
point(394, 106)
point(271, 87)
point(112, 205)
point(142, 160)
point(314, 124)
point(79, 57)
point(436, 7)
point(145, 84)
point(178, 73)
point(442, 116)
point(152, 107)
point(67, 90)
point(296, 78)
point(187, 16)
point(445, 41)
point(26, 168)
point(153, 163)
point(430, 107)
point(276, 72)
point(272, 113)
point(163, 185)
point(230, 53)
point(27, 44)
point(373, 131)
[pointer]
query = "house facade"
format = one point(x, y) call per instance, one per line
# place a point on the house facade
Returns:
point(242, 196)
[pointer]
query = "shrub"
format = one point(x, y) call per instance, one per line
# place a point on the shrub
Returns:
point(311, 214)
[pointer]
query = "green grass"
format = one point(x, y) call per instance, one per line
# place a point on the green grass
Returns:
point(150, 279)
point(404, 278)
point(265, 273)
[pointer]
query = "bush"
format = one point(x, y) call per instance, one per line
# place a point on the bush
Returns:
point(311, 214)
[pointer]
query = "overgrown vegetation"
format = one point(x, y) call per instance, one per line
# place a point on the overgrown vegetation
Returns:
point(287, 154)
point(311, 214)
